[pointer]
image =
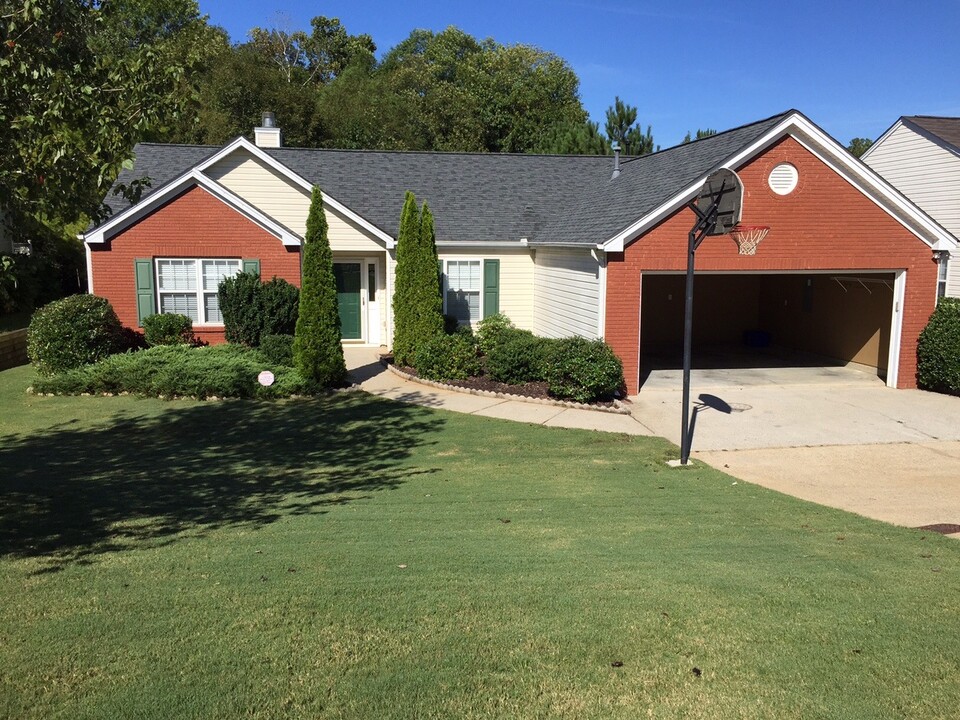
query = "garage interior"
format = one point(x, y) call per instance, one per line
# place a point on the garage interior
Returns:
point(747, 322)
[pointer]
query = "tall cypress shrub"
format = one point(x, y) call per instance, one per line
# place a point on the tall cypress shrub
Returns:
point(404, 310)
point(317, 352)
point(429, 300)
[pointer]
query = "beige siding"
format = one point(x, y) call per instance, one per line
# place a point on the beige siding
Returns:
point(566, 293)
point(516, 280)
point(286, 202)
point(953, 275)
point(922, 170)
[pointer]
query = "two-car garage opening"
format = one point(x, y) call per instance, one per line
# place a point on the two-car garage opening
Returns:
point(749, 323)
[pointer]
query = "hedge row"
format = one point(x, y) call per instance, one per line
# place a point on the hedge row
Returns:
point(180, 371)
point(574, 368)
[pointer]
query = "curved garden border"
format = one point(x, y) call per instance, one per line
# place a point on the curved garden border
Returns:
point(617, 409)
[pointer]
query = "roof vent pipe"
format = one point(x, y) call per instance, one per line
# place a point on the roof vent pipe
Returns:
point(615, 146)
point(269, 120)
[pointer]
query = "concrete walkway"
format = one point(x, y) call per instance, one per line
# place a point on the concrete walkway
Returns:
point(849, 443)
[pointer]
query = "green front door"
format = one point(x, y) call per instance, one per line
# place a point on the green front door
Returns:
point(348, 299)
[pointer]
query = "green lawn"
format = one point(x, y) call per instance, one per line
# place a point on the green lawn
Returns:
point(354, 558)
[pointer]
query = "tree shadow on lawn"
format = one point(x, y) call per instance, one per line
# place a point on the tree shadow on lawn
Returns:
point(71, 493)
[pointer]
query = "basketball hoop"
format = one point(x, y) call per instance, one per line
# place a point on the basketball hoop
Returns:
point(748, 237)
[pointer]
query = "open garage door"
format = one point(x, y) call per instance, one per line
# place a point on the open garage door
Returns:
point(824, 324)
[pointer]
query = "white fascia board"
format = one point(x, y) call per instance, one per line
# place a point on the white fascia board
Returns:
point(498, 244)
point(173, 188)
point(826, 149)
point(270, 161)
point(568, 246)
point(880, 139)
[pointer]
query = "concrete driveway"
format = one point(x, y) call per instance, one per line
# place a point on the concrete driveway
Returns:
point(846, 441)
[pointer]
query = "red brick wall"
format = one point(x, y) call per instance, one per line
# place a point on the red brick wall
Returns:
point(824, 224)
point(195, 224)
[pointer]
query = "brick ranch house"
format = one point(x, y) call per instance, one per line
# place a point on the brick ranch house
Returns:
point(562, 245)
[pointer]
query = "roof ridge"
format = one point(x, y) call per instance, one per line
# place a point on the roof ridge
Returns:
point(466, 153)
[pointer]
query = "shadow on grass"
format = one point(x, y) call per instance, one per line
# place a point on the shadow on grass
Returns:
point(70, 493)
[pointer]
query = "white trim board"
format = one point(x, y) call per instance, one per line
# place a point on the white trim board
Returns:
point(192, 178)
point(830, 153)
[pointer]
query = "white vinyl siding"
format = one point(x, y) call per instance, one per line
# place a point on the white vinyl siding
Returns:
point(189, 287)
point(286, 202)
point(929, 175)
point(566, 293)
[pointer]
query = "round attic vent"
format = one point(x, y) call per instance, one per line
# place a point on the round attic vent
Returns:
point(783, 179)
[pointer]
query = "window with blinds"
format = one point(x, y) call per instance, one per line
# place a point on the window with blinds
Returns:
point(189, 287)
point(464, 285)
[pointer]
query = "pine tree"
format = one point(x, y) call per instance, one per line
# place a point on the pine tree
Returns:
point(317, 352)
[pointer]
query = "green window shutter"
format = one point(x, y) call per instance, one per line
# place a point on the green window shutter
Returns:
point(146, 303)
point(491, 287)
point(251, 267)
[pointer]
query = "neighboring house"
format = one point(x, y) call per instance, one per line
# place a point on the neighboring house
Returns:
point(920, 156)
point(562, 245)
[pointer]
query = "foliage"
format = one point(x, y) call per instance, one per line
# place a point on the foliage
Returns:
point(280, 301)
point(582, 370)
point(241, 305)
point(180, 371)
point(448, 357)
point(938, 350)
point(252, 309)
point(491, 331)
point(417, 303)
point(277, 349)
point(581, 138)
point(80, 86)
point(72, 332)
point(701, 134)
point(54, 267)
point(317, 352)
point(858, 146)
point(168, 329)
point(518, 357)
point(622, 127)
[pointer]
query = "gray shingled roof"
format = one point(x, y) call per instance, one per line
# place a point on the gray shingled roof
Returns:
point(945, 128)
point(486, 196)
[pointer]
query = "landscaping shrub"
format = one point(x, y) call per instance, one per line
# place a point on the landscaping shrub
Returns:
point(938, 351)
point(180, 371)
point(241, 304)
point(280, 301)
point(448, 357)
point(72, 332)
point(252, 309)
point(517, 357)
point(277, 349)
point(317, 352)
point(491, 330)
point(582, 370)
point(168, 329)
point(417, 303)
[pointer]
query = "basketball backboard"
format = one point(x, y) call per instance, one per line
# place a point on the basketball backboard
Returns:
point(725, 188)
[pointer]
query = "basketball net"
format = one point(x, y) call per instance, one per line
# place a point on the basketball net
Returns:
point(748, 237)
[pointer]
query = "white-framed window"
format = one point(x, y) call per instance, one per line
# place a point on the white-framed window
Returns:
point(189, 287)
point(942, 268)
point(463, 290)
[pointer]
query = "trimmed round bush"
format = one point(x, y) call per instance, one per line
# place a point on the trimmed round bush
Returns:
point(938, 350)
point(71, 332)
point(517, 357)
point(448, 357)
point(168, 329)
point(277, 349)
point(582, 370)
point(491, 330)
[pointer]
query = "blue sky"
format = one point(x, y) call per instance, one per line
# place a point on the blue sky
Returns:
point(853, 67)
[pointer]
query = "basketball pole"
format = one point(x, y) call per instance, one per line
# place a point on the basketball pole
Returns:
point(705, 222)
